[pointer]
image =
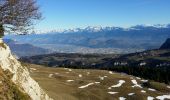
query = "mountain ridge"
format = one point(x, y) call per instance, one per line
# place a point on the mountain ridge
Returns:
point(100, 28)
point(166, 45)
point(24, 49)
point(137, 38)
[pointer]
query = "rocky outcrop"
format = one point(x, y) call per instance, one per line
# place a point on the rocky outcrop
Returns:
point(166, 45)
point(20, 73)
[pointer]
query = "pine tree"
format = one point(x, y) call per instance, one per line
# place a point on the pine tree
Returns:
point(1, 31)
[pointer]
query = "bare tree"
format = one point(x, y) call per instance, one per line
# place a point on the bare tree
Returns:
point(18, 15)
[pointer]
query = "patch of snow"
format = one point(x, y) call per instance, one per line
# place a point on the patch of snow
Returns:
point(122, 98)
point(138, 78)
point(56, 73)
point(109, 88)
point(168, 87)
point(1, 41)
point(88, 73)
point(151, 89)
point(130, 94)
point(97, 82)
point(150, 98)
point(144, 80)
point(33, 69)
point(136, 84)
point(101, 78)
point(121, 82)
point(110, 72)
point(143, 91)
point(80, 75)
point(50, 75)
point(142, 64)
point(70, 80)
point(84, 86)
point(112, 92)
point(163, 97)
point(105, 76)
point(81, 87)
point(131, 78)
point(69, 70)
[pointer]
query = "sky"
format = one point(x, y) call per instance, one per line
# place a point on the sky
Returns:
point(66, 14)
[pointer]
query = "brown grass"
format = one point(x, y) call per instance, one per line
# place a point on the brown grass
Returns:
point(59, 89)
point(8, 90)
point(3, 45)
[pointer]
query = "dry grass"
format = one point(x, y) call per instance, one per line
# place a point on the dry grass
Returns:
point(59, 89)
point(2, 45)
point(8, 90)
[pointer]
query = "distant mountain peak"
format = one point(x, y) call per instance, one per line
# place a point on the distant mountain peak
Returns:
point(100, 28)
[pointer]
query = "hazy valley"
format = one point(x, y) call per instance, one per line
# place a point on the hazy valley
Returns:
point(105, 40)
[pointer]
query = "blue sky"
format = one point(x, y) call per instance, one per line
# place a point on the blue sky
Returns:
point(65, 14)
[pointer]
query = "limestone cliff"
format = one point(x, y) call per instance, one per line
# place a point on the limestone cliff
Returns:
point(21, 75)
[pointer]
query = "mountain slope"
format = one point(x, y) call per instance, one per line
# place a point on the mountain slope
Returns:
point(166, 45)
point(86, 84)
point(20, 74)
point(21, 49)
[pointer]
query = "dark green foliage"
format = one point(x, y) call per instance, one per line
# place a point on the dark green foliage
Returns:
point(160, 74)
point(156, 67)
point(1, 31)
point(146, 84)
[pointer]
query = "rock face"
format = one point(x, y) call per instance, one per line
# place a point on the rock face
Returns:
point(166, 45)
point(21, 75)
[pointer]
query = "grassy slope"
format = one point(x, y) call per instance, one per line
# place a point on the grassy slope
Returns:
point(8, 90)
point(59, 89)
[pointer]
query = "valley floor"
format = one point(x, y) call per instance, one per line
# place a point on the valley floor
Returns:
point(83, 84)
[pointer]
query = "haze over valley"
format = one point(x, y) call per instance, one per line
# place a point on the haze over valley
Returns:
point(105, 40)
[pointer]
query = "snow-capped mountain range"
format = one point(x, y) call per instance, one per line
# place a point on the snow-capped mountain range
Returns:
point(99, 39)
point(100, 28)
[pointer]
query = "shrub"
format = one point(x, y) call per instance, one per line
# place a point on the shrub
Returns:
point(1, 31)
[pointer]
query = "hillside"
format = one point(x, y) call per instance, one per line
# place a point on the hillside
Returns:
point(138, 64)
point(152, 58)
point(166, 45)
point(68, 59)
point(86, 84)
point(24, 49)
